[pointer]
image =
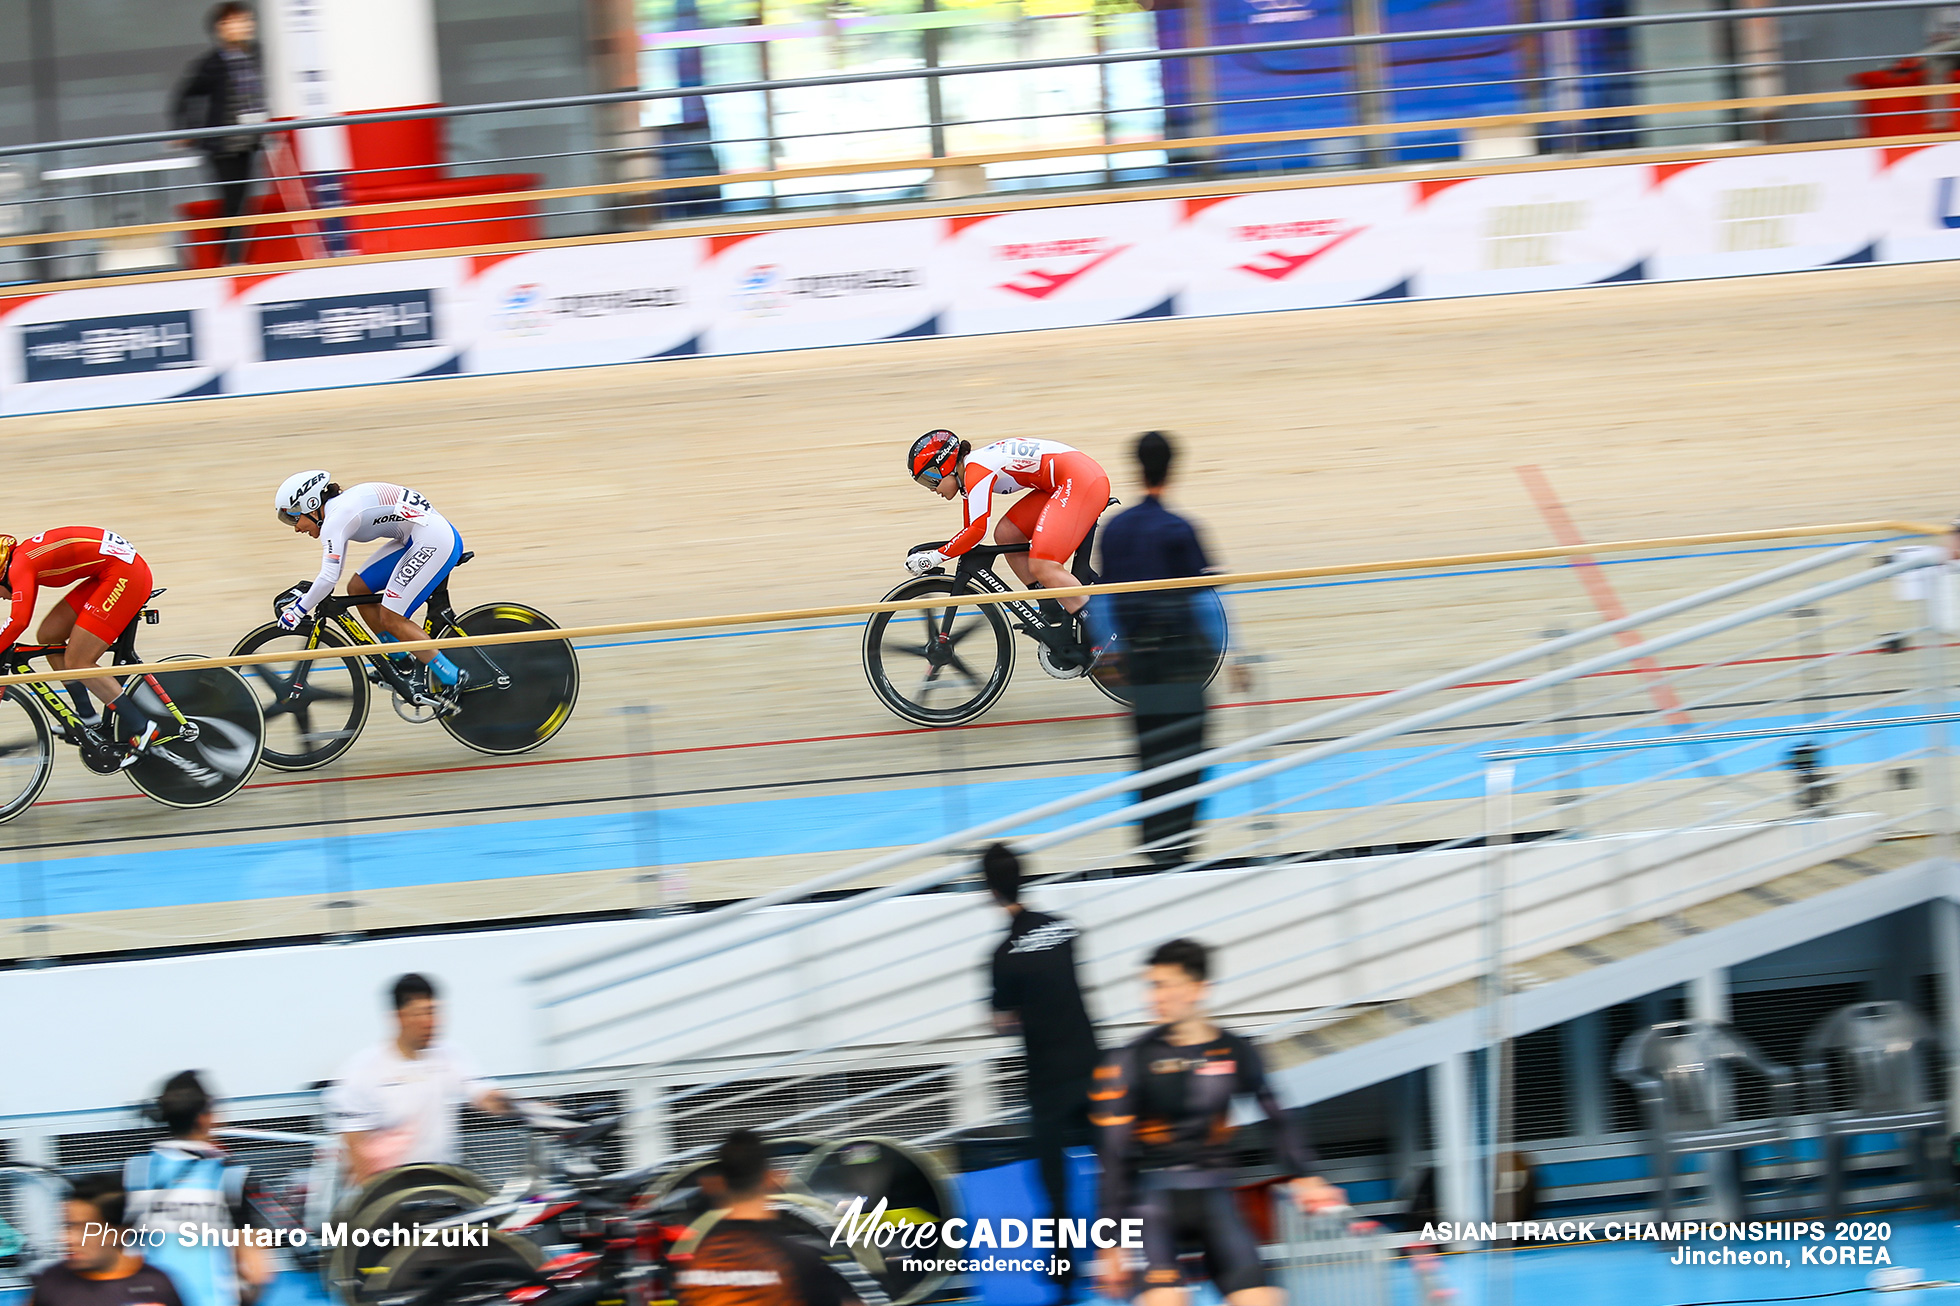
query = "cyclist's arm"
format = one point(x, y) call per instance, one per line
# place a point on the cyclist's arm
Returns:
point(334, 543)
point(978, 503)
point(23, 581)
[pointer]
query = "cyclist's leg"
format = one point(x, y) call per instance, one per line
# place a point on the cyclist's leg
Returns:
point(431, 554)
point(55, 629)
point(1065, 520)
point(372, 578)
point(104, 611)
point(1017, 527)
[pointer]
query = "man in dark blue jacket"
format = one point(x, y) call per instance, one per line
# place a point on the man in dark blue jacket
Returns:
point(1168, 655)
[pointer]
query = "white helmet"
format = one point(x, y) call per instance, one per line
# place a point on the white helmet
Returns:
point(301, 494)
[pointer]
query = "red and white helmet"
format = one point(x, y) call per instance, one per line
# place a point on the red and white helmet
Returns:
point(934, 456)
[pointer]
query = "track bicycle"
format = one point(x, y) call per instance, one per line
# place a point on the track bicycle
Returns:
point(515, 697)
point(922, 666)
point(207, 742)
point(569, 1235)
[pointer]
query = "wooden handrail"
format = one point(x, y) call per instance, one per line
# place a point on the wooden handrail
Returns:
point(653, 185)
point(1001, 204)
point(973, 600)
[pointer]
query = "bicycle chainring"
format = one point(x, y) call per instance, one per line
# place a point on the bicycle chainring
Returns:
point(413, 713)
point(1046, 657)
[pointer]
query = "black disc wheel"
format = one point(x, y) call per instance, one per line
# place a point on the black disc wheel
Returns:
point(355, 1271)
point(938, 666)
point(418, 1174)
point(314, 709)
point(26, 751)
point(212, 753)
point(874, 1168)
point(517, 695)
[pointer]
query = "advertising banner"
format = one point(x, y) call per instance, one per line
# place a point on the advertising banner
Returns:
point(1074, 266)
point(1764, 213)
point(107, 346)
point(1531, 231)
point(356, 325)
point(347, 324)
point(1295, 248)
point(1070, 265)
point(585, 305)
point(1920, 185)
point(820, 286)
point(113, 345)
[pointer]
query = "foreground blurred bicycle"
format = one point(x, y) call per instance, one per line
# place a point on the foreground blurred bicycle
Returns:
point(517, 695)
point(210, 729)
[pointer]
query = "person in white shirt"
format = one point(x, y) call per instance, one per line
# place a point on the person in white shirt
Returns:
point(396, 1103)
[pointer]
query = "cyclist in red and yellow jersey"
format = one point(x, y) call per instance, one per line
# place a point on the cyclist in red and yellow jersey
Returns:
point(111, 584)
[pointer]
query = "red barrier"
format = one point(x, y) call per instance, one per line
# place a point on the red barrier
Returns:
point(1905, 115)
point(391, 162)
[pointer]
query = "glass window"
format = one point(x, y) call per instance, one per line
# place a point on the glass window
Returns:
point(717, 42)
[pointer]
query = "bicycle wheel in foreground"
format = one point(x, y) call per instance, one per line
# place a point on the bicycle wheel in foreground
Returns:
point(519, 695)
point(26, 752)
point(938, 666)
point(207, 769)
point(313, 710)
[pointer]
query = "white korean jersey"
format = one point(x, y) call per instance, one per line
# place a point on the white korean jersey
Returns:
point(373, 510)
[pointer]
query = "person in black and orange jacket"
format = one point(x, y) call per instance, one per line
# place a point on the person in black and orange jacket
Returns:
point(1162, 1107)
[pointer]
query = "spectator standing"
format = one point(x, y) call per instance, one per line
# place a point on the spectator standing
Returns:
point(1035, 991)
point(1167, 651)
point(98, 1270)
point(224, 87)
point(397, 1102)
point(188, 1179)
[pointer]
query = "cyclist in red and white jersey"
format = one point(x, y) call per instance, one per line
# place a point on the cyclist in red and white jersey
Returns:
point(1067, 492)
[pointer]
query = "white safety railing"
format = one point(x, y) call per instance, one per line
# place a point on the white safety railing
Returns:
point(1339, 875)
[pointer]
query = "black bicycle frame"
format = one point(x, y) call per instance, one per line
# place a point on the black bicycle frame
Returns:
point(441, 614)
point(981, 576)
point(976, 567)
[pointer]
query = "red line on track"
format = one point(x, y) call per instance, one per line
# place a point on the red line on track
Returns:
point(1593, 577)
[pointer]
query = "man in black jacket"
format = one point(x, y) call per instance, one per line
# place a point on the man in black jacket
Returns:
point(1035, 992)
point(220, 88)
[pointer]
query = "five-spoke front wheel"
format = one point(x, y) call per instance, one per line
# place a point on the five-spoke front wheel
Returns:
point(313, 709)
point(938, 666)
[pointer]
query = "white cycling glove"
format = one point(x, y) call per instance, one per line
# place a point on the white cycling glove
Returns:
point(923, 561)
point(291, 616)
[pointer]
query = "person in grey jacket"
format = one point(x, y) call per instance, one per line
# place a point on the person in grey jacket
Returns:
point(223, 87)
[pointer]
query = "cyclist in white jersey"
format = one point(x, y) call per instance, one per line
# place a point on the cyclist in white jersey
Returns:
point(419, 548)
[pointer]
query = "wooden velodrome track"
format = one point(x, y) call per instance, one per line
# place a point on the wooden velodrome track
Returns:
point(699, 486)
